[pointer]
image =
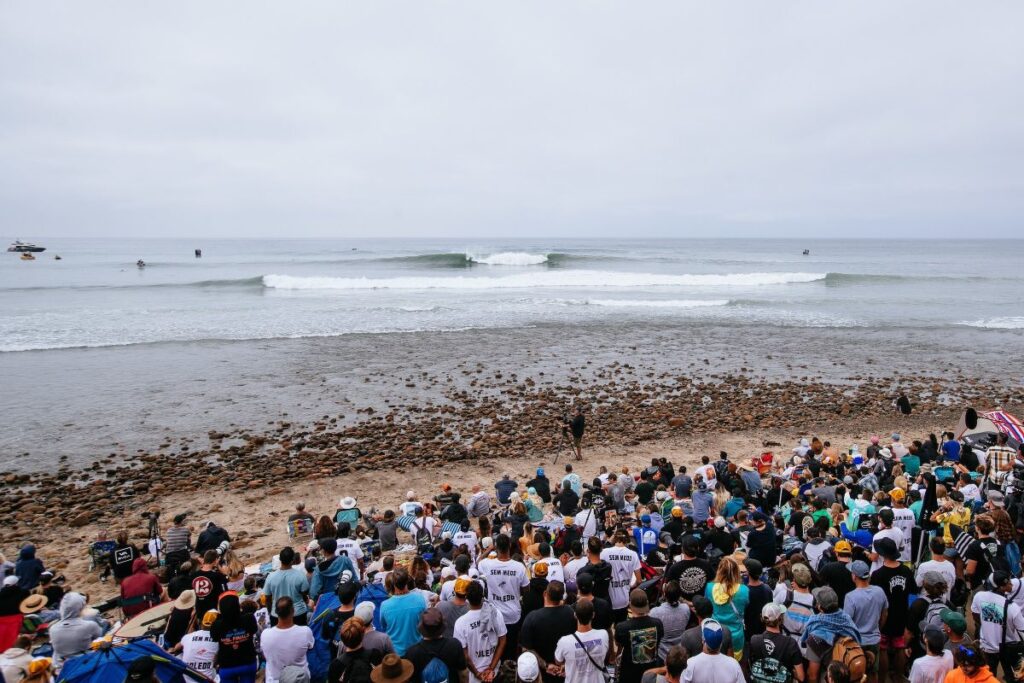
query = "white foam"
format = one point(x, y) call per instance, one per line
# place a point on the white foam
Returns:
point(656, 303)
point(548, 279)
point(1006, 323)
point(509, 258)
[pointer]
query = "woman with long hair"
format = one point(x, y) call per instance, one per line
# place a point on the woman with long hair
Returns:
point(235, 633)
point(234, 569)
point(324, 528)
point(729, 599)
point(517, 519)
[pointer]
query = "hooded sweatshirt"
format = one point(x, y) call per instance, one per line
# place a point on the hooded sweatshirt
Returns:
point(28, 568)
point(141, 583)
point(72, 635)
point(14, 664)
point(327, 575)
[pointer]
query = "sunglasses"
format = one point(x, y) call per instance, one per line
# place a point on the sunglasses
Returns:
point(966, 650)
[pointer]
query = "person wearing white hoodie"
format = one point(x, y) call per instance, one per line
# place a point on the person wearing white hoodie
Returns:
point(14, 661)
point(72, 635)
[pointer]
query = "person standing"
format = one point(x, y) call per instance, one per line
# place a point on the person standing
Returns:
point(674, 616)
point(638, 638)
point(998, 622)
point(897, 582)
point(866, 605)
point(506, 578)
point(711, 666)
point(584, 653)
point(774, 656)
point(481, 631)
point(235, 635)
point(936, 663)
point(199, 649)
point(288, 582)
point(436, 645)
point(729, 598)
point(543, 628)
point(400, 614)
point(285, 645)
point(576, 426)
point(625, 564)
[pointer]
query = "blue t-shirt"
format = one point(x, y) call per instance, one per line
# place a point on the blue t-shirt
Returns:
point(291, 582)
point(951, 450)
point(865, 605)
point(400, 616)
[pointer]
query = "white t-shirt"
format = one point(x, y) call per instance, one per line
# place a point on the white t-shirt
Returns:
point(428, 523)
point(814, 551)
point(897, 537)
point(705, 668)
point(351, 547)
point(285, 647)
point(466, 538)
point(904, 520)
point(505, 583)
point(198, 652)
point(479, 631)
point(448, 587)
point(971, 492)
point(578, 667)
point(408, 508)
point(624, 562)
point(989, 606)
point(572, 567)
point(586, 520)
point(555, 570)
point(932, 668)
point(944, 567)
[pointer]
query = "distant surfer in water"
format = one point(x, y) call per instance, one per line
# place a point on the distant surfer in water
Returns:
point(140, 263)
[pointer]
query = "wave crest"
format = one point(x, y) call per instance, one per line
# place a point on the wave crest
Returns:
point(547, 279)
point(1005, 323)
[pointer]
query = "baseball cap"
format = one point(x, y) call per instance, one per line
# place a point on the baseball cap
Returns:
point(431, 623)
point(141, 669)
point(996, 498)
point(711, 633)
point(759, 517)
point(754, 567)
point(527, 667)
point(462, 585)
point(954, 620)
point(772, 611)
point(540, 471)
point(897, 494)
point(364, 612)
point(827, 599)
point(540, 570)
point(677, 511)
point(210, 617)
point(720, 522)
point(802, 575)
point(645, 519)
point(843, 548)
point(860, 569)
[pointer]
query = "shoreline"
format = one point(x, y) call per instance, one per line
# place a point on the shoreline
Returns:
point(250, 482)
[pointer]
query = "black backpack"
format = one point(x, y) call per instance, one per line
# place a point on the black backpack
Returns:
point(424, 541)
point(602, 575)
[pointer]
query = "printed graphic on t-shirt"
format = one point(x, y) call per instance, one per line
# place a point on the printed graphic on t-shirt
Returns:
point(768, 669)
point(643, 645)
point(692, 580)
point(202, 586)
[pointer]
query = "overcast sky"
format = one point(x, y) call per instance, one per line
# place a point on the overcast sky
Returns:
point(589, 119)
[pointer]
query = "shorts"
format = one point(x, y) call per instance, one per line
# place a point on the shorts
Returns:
point(892, 642)
point(871, 652)
point(577, 440)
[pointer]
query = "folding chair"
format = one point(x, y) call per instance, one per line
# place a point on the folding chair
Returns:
point(300, 527)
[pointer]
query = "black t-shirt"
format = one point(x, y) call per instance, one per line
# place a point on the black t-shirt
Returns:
point(121, 559)
point(237, 645)
point(208, 585)
point(543, 487)
point(644, 492)
point(837, 574)
point(448, 650)
point(177, 627)
point(693, 642)
point(722, 540)
point(351, 667)
point(674, 527)
point(980, 551)
point(692, 575)
point(760, 596)
point(533, 598)
point(772, 658)
point(898, 584)
point(568, 502)
point(577, 425)
point(602, 613)
point(761, 545)
point(638, 639)
point(177, 585)
point(542, 628)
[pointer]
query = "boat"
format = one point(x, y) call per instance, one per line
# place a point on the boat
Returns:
point(24, 247)
point(140, 263)
point(27, 257)
point(807, 252)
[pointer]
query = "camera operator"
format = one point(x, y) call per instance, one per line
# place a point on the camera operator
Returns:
point(178, 545)
point(576, 426)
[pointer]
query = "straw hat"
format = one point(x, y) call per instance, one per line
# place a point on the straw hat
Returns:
point(187, 600)
point(393, 669)
point(33, 604)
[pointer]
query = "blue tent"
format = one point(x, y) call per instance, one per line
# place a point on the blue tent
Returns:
point(109, 664)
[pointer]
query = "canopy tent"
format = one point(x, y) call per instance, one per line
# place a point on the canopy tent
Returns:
point(110, 662)
point(976, 426)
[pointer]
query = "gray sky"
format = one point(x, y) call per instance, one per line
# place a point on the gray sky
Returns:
point(605, 119)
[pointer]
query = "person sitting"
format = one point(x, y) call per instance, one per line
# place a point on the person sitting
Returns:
point(141, 590)
point(300, 513)
point(454, 512)
point(408, 508)
point(479, 503)
point(73, 634)
point(503, 489)
point(347, 512)
point(541, 484)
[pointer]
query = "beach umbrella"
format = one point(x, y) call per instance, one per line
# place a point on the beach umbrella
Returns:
point(110, 662)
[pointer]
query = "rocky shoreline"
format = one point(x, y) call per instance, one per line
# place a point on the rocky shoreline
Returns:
point(492, 417)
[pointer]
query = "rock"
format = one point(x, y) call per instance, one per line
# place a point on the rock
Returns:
point(80, 520)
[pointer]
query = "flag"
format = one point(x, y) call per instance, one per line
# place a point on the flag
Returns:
point(961, 540)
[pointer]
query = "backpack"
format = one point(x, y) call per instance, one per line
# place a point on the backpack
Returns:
point(959, 593)
point(996, 559)
point(932, 616)
point(602, 574)
point(424, 541)
point(850, 653)
point(1013, 557)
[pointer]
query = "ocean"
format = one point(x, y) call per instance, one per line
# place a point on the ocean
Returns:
point(99, 356)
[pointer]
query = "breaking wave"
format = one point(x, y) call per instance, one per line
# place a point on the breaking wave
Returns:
point(1006, 323)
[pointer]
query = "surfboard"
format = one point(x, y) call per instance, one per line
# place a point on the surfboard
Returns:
point(147, 623)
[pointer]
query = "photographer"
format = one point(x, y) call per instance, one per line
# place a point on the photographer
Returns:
point(576, 426)
point(178, 545)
